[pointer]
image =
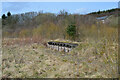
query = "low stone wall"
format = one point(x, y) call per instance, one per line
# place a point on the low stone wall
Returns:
point(60, 46)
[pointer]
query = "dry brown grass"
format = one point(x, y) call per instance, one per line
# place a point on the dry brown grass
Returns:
point(89, 60)
point(22, 41)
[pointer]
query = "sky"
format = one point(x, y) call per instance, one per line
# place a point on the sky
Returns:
point(55, 7)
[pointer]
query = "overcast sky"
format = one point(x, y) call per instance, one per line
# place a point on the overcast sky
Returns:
point(55, 7)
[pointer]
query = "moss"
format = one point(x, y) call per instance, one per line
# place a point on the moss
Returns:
point(57, 75)
point(64, 60)
point(64, 41)
point(42, 55)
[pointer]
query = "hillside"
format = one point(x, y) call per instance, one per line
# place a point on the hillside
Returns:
point(26, 54)
point(109, 12)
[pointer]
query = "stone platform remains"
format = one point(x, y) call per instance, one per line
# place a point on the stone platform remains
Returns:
point(61, 46)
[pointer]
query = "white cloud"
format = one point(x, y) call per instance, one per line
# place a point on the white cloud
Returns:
point(81, 11)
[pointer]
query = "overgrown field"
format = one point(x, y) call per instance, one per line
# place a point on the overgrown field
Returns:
point(90, 59)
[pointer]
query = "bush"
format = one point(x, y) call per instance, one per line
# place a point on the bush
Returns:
point(71, 31)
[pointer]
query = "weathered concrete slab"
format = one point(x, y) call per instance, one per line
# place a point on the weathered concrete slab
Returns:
point(60, 46)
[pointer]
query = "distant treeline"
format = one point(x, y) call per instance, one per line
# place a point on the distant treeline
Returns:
point(50, 25)
point(99, 13)
point(105, 11)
